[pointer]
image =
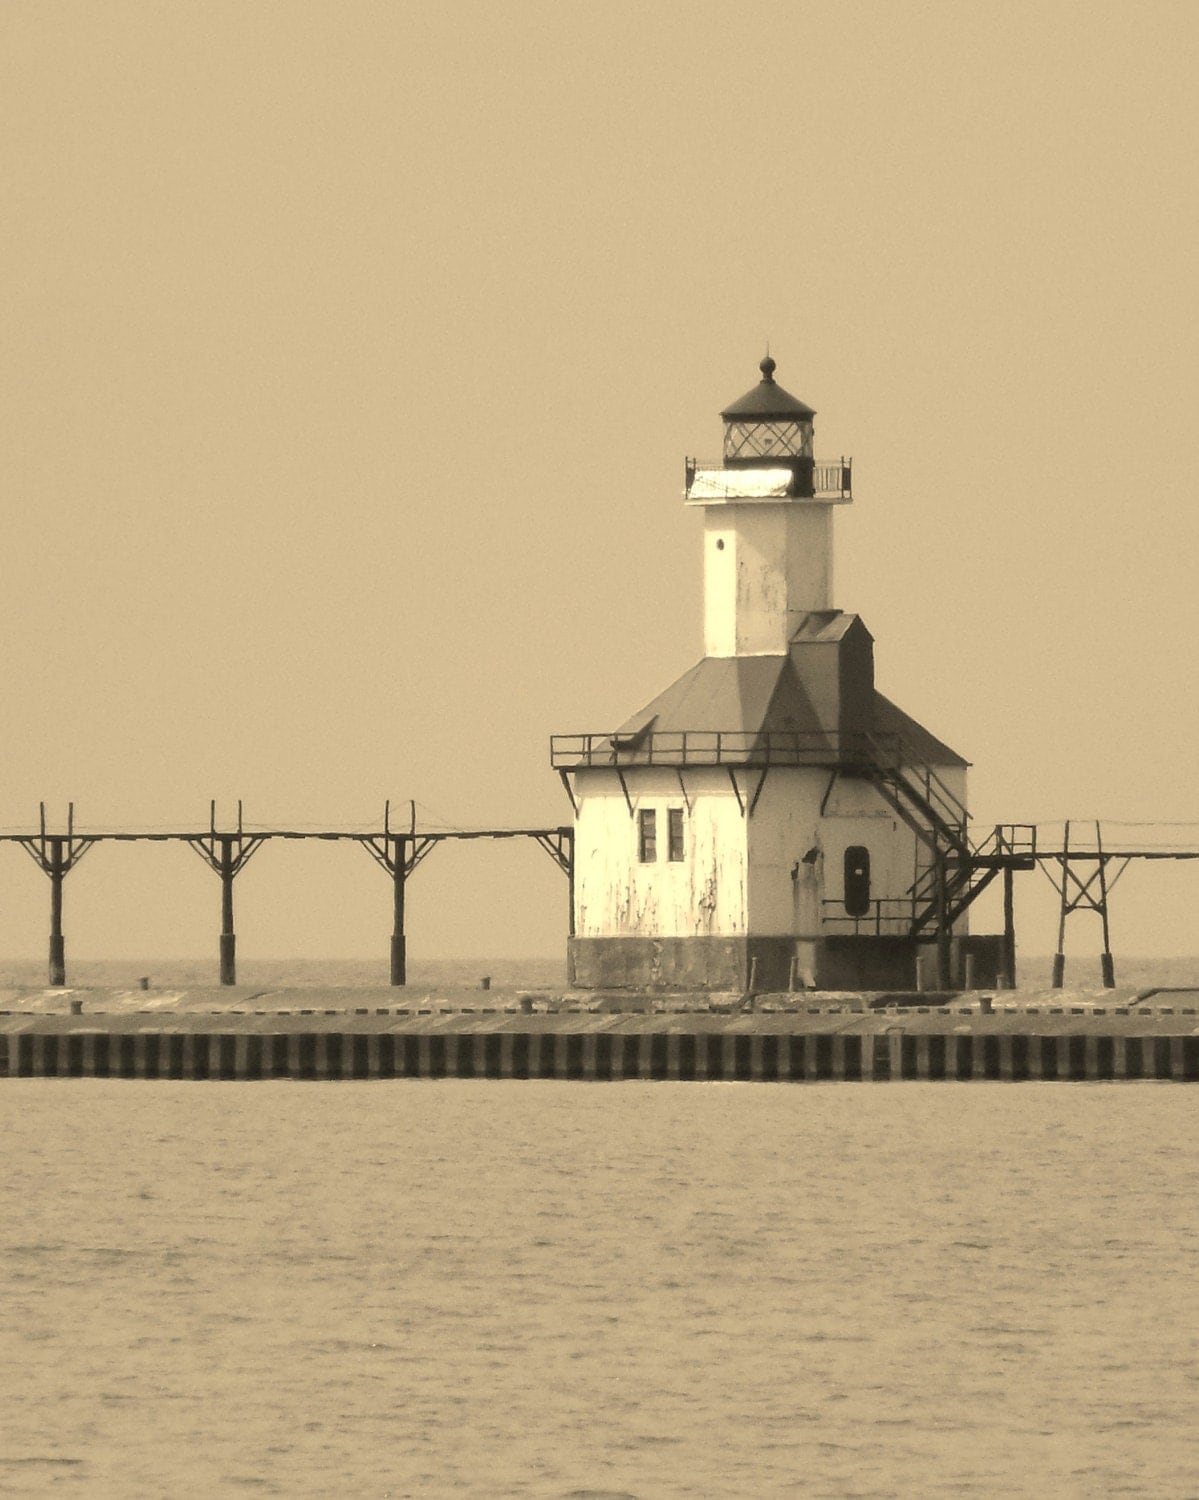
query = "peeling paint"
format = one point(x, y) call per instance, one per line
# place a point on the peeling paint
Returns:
point(767, 875)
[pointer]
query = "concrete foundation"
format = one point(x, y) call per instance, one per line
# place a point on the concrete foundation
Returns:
point(766, 963)
point(642, 963)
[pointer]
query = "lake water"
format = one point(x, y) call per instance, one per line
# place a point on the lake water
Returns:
point(570, 1290)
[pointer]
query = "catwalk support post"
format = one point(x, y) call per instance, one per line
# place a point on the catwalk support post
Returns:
point(399, 943)
point(398, 854)
point(944, 935)
point(58, 950)
point(559, 844)
point(1086, 891)
point(1009, 929)
point(56, 855)
point(228, 933)
point(227, 853)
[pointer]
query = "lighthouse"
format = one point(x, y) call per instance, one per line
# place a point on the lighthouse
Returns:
point(770, 820)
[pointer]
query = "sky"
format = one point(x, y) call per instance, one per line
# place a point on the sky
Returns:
point(352, 352)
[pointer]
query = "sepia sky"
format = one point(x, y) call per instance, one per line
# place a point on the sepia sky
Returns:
point(351, 353)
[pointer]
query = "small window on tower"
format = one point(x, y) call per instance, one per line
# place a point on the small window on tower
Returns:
point(674, 818)
point(647, 835)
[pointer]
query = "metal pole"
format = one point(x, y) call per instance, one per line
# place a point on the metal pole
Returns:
point(228, 938)
point(58, 960)
point(1059, 958)
point(944, 980)
point(1009, 930)
point(399, 943)
point(1107, 963)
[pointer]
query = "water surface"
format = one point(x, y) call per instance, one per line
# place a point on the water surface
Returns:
point(568, 1290)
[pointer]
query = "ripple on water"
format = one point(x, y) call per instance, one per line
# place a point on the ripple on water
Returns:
point(636, 1291)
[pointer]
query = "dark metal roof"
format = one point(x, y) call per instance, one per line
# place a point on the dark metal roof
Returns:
point(888, 719)
point(784, 694)
point(826, 625)
point(718, 693)
point(767, 400)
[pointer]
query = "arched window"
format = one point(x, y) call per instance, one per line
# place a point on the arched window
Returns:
point(857, 880)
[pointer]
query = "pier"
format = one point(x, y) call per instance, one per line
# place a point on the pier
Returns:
point(829, 1039)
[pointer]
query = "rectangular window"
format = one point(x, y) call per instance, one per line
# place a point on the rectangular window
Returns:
point(647, 835)
point(674, 817)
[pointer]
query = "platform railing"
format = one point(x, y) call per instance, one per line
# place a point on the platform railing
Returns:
point(888, 916)
point(833, 479)
point(1009, 839)
point(830, 479)
point(726, 747)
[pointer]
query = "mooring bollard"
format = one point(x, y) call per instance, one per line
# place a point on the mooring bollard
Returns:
point(986, 1006)
point(76, 1007)
point(526, 1004)
point(144, 981)
point(485, 982)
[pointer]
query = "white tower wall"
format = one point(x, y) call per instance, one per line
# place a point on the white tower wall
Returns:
point(766, 564)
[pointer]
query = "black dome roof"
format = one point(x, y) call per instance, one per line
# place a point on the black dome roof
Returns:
point(767, 400)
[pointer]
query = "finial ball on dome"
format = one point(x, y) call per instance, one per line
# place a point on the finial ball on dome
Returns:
point(767, 368)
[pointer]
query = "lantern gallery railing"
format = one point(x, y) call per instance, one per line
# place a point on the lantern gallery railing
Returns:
point(822, 479)
point(728, 747)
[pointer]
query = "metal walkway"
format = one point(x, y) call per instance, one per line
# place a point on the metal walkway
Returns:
point(227, 851)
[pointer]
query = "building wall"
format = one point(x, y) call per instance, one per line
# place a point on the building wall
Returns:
point(617, 895)
point(743, 902)
point(857, 814)
point(785, 891)
point(740, 873)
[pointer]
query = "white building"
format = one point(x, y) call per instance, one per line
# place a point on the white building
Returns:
point(770, 820)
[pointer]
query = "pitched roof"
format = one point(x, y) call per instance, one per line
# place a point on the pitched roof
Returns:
point(753, 695)
point(825, 625)
point(718, 693)
point(889, 719)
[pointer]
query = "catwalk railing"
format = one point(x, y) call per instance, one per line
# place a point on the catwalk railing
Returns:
point(727, 747)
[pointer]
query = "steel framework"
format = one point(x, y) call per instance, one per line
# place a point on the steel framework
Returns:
point(227, 851)
point(961, 866)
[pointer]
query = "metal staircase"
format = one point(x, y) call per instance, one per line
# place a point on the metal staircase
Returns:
point(952, 870)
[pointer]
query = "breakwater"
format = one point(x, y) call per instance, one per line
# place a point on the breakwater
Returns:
point(772, 1043)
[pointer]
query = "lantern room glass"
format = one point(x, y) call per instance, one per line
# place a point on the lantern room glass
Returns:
point(779, 438)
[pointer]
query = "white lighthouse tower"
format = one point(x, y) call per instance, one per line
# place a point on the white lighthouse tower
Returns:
point(768, 536)
point(770, 820)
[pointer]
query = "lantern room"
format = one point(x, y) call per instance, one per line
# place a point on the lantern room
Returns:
point(769, 431)
point(768, 426)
